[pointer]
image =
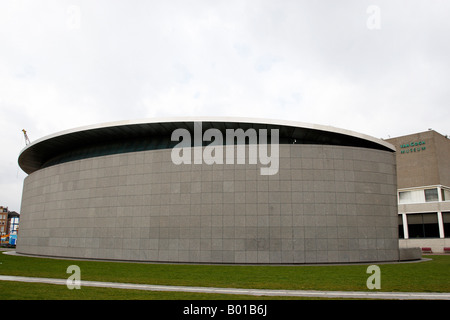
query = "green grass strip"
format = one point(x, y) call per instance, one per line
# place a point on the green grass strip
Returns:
point(426, 276)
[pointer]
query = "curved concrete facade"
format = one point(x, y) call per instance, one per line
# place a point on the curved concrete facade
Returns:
point(326, 204)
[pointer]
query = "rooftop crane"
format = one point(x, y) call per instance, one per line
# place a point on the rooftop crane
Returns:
point(27, 140)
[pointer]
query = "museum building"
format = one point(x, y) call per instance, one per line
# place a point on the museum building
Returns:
point(423, 182)
point(213, 190)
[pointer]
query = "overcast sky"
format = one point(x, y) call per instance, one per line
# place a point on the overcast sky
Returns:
point(381, 68)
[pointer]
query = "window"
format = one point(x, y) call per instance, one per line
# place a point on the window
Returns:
point(404, 197)
point(446, 221)
point(431, 195)
point(445, 194)
point(423, 225)
point(414, 196)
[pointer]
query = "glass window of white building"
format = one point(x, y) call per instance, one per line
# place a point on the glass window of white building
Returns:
point(412, 196)
point(446, 221)
point(431, 195)
point(445, 193)
point(423, 225)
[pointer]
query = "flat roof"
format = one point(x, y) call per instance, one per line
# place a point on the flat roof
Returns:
point(38, 153)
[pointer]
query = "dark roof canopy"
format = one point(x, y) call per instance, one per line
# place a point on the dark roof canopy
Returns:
point(127, 136)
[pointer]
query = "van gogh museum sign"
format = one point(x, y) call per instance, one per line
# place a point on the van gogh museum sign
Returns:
point(415, 146)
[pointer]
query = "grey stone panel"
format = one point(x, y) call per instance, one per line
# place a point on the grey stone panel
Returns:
point(327, 204)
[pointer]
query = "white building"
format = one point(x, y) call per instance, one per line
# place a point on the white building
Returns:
point(423, 180)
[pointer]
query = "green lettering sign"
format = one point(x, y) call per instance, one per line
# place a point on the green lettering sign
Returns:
point(410, 147)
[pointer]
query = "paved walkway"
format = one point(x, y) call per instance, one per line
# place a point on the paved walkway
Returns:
point(253, 292)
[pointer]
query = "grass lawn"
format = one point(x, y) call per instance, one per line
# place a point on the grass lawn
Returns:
point(427, 276)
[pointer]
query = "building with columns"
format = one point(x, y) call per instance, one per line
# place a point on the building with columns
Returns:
point(423, 183)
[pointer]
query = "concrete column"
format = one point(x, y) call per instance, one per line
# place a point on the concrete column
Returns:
point(441, 225)
point(405, 226)
point(439, 194)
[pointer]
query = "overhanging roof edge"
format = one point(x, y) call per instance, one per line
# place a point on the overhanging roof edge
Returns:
point(147, 121)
